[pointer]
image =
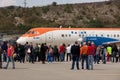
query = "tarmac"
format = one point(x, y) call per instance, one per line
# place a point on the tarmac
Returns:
point(60, 71)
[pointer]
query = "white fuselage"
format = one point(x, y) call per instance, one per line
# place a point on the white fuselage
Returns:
point(57, 37)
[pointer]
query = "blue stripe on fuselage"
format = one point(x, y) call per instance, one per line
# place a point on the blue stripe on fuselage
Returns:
point(98, 40)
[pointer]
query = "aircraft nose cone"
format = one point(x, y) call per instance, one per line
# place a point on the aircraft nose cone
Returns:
point(21, 40)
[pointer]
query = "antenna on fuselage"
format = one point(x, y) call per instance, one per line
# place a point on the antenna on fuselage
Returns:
point(60, 26)
point(69, 26)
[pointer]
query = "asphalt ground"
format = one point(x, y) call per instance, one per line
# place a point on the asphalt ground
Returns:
point(60, 71)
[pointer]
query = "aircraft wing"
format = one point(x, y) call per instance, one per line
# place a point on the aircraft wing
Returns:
point(112, 42)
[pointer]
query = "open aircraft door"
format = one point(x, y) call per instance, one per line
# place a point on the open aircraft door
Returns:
point(49, 37)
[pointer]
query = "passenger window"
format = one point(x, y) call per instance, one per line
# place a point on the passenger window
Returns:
point(101, 35)
point(66, 35)
point(83, 35)
point(72, 32)
point(69, 35)
point(62, 35)
point(114, 35)
point(117, 35)
point(107, 35)
point(79, 35)
point(96, 35)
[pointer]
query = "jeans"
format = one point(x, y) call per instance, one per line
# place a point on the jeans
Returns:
point(4, 56)
point(90, 61)
point(0, 64)
point(50, 58)
point(68, 56)
point(84, 58)
point(8, 60)
point(98, 58)
point(61, 57)
point(31, 57)
point(113, 56)
point(104, 58)
point(75, 59)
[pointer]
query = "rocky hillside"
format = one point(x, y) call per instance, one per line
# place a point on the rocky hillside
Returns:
point(100, 14)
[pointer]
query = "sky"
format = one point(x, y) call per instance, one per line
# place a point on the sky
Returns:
point(31, 3)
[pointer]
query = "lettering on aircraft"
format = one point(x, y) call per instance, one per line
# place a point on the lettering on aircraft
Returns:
point(92, 39)
point(35, 37)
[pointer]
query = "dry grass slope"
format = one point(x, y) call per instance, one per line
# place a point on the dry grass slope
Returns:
point(100, 14)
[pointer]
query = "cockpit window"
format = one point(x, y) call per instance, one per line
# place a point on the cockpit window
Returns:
point(28, 32)
point(35, 32)
point(32, 32)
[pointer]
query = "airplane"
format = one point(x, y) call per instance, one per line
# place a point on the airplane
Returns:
point(56, 36)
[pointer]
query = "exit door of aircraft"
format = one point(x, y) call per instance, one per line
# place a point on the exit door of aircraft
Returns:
point(49, 37)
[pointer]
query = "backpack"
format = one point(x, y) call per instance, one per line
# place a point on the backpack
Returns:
point(28, 51)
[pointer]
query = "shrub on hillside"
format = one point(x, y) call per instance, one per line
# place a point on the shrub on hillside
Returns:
point(45, 9)
point(95, 23)
point(68, 8)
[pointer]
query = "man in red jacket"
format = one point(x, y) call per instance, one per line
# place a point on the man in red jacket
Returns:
point(62, 51)
point(90, 56)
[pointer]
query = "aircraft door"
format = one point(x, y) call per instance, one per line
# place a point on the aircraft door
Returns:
point(49, 37)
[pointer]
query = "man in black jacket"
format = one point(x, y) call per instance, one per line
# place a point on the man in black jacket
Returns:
point(75, 51)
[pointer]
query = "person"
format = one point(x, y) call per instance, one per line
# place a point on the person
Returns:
point(26, 46)
point(10, 51)
point(94, 51)
point(0, 57)
point(103, 52)
point(50, 54)
point(36, 51)
point(19, 56)
point(43, 53)
point(31, 54)
point(68, 52)
point(98, 55)
point(56, 53)
point(109, 52)
point(114, 52)
point(62, 51)
point(118, 58)
point(84, 55)
point(4, 51)
point(75, 51)
point(21, 52)
point(90, 56)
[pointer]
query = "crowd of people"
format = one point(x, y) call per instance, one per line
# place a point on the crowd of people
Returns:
point(86, 53)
